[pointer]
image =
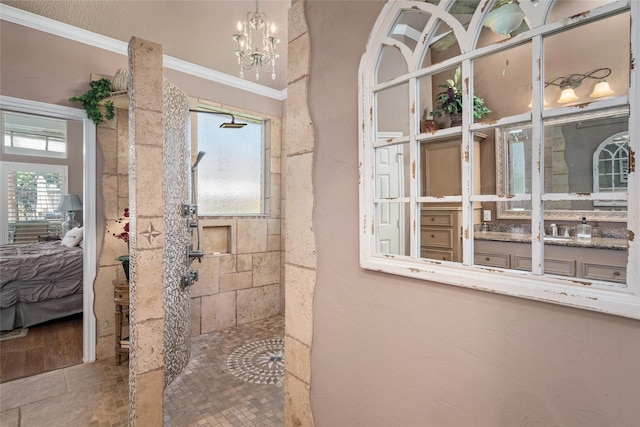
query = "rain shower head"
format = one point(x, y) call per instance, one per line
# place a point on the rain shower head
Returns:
point(200, 156)
point(233, 124)
point(229, 125)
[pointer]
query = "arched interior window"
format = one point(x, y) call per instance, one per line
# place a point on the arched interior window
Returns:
point(479, 123)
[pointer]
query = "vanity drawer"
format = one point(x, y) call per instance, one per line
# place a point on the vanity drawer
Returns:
point(436, 254)
point(440, 219)
point(492, 259)
point(551, 266)
point(610, 273)
point(442, 238)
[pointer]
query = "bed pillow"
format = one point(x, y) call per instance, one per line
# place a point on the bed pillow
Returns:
point(73, 237)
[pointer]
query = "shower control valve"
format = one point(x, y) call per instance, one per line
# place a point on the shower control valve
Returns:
point(189, 278)
point(189, 209)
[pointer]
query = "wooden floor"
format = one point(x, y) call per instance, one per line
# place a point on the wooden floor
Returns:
point(49, 346)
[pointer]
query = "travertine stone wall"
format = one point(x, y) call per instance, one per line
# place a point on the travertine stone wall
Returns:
point(147, 234)
point(300, 264)
point(113, 143)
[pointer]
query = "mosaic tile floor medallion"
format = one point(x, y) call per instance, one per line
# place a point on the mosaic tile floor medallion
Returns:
point(259, 362)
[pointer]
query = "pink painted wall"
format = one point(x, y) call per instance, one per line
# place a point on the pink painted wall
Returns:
point(46, 68)
point(392, 351)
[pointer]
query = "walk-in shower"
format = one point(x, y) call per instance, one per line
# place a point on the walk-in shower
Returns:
point(190, 210)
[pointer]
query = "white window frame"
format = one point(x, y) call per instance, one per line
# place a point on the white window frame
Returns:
point(241, 117)
point(40, 133)
point(531, 285)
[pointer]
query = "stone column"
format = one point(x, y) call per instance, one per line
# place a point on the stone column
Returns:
point(300, 243)
point(146, 207)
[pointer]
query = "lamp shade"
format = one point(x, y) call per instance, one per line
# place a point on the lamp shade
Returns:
point(601, 89)
point(567, 95)
point(69, 202)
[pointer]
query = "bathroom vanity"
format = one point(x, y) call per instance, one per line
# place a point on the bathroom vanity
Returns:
point(596, 259)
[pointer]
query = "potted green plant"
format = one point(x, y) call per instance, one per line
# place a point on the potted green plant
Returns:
point(99, 90)
point(449, 101)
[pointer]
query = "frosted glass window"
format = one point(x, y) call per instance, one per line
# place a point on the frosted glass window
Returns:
point(231, 174)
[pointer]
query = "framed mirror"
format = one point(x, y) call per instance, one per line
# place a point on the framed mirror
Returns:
point(583, 154)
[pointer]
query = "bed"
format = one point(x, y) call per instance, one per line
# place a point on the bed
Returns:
point(39, 282)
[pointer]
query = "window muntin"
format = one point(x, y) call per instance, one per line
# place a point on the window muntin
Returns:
point(475, 199)
point(231, 176)
point(29, 135)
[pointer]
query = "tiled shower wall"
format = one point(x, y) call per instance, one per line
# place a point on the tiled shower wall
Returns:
point(176, 157)
point(241, 274)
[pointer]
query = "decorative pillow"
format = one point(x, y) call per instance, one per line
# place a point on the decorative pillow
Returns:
point(73, 237)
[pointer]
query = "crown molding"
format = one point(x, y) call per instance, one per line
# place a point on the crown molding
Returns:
point(50, 26)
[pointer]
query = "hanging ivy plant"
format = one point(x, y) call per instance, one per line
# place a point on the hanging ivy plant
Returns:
point(100, 89)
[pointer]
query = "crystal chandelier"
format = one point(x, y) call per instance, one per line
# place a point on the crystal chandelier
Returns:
point(248, 32)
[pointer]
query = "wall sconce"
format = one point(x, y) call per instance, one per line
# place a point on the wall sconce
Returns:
point(572, 81)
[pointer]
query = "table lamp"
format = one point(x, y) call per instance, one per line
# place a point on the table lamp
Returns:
point(69, 203)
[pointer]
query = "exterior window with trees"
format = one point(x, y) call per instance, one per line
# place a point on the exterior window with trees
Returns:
point(30, 200)
point(497, 151)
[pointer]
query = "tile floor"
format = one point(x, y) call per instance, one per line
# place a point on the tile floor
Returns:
point(205, 394)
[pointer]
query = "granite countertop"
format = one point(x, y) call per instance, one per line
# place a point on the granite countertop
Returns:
point(595, 242)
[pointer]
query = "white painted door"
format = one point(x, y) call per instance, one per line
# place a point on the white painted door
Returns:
point(390, 184)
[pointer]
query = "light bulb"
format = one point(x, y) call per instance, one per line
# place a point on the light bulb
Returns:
point(273, 28)
point(239, 26)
